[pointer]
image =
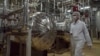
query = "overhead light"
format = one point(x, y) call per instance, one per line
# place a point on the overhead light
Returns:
point(69, 11)
point(82, 8)
point(87, 7)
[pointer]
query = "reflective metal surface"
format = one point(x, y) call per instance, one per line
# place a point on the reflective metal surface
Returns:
point(42, 23)
point(43, 28)
point(98, 20)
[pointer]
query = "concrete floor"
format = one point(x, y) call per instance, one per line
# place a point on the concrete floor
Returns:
point(95, 51)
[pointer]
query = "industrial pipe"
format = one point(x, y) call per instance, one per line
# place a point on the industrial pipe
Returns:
point(28, 39)
point(41, 6)
point(54, 5)
point(26, 8)
point(5, 6)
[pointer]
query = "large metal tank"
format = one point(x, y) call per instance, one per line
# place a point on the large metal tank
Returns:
point(43, 30)
point(98, 20)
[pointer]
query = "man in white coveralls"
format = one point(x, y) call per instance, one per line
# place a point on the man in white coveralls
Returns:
point(80, 35)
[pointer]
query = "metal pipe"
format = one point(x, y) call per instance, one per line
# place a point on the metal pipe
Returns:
point(41, 6)
point(5, 6)
point(54, 5)
point(65, 10)
point(62, 7)
point(28, 39)
point(26, 8)
point(8, 46)
point(23, 18)
point(28, 43)
point(89, 12)
point(83, 5)
point(22, 3)
point(48, 5)
point(91, 18)
point(88, 2)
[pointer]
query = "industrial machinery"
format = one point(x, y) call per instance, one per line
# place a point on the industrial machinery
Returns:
point(41, 24)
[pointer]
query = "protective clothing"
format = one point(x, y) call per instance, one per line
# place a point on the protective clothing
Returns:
point(80, 35)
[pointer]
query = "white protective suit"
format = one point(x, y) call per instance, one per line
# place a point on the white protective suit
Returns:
point(80, 35)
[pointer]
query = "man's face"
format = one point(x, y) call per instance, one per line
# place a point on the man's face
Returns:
point(75, 17)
